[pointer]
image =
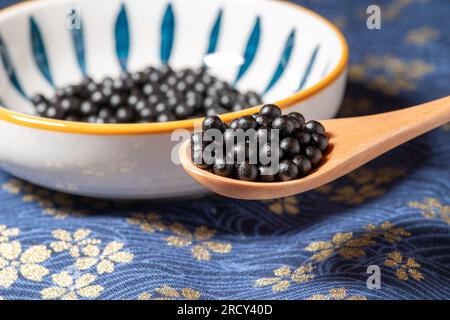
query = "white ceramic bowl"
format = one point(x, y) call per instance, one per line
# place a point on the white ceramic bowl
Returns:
point(290, 54)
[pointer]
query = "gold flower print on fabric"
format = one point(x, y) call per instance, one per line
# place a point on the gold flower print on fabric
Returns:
point(67, 287)
point(6, 233)
point(432, 208)
point(344, 244)
point(393, 10)
point(356, 106)
point(285, 276)
point(90, 260)
point(53, 203)
point(388, 74)
point(336, 294)
point(29, 263)
point(16, 261)
point(168, 293)
point(289, 205)
point(421, 36)
point(446, 127)
point(75, 243)
point(103, 260)
point(349, 246)
point(150, 222)
point(362, 184)
point(388, 231)
point(198, 241)
point(405, 268)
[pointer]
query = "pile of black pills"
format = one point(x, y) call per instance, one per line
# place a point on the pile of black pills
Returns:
point(293, 146)
point(152, 95)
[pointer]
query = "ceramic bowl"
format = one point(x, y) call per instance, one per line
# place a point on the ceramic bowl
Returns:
point(291, 55)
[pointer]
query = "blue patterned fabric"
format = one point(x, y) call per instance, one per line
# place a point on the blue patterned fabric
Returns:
point(393, 212)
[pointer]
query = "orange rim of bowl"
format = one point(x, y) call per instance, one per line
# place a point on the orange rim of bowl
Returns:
point(157, 127)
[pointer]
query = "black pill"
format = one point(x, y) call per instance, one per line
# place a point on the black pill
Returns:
point(165, 117)
point(38, 99)
point(314, 154)
point(290, 147)
point(299, 117)
point(303, 137)
point(271, 111)
point(287, 170)
point(267, 174)
point(197, 159)
point(124, 115)
point(88, 108)
point(284, 124)
point(247, 122)
point(263, 121)
point(303, 164)
point(247, 172)
point(212, 122)
point(222, 168)
point(314, 127)
point(320, 141)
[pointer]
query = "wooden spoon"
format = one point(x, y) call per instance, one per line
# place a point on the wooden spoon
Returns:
point(353, 142)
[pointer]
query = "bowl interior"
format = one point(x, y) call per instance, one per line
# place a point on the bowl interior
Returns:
point(273, 48)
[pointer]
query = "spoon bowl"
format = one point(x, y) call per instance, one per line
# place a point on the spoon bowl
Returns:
point(353, 142)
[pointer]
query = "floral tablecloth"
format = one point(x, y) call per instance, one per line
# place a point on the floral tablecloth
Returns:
point(393, 213)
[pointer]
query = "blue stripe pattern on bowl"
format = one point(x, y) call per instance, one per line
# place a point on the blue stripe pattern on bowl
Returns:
point(215, 32)
point(39, 51)
point(122, 37)
point(77, 34)
point(251, 49)
point(7, 65)
point(284, 60)
point(309, 68)
point(167, 34)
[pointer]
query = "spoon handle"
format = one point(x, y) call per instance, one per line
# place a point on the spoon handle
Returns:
point(361, 139)
point(402, 125)
point(411, 122)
